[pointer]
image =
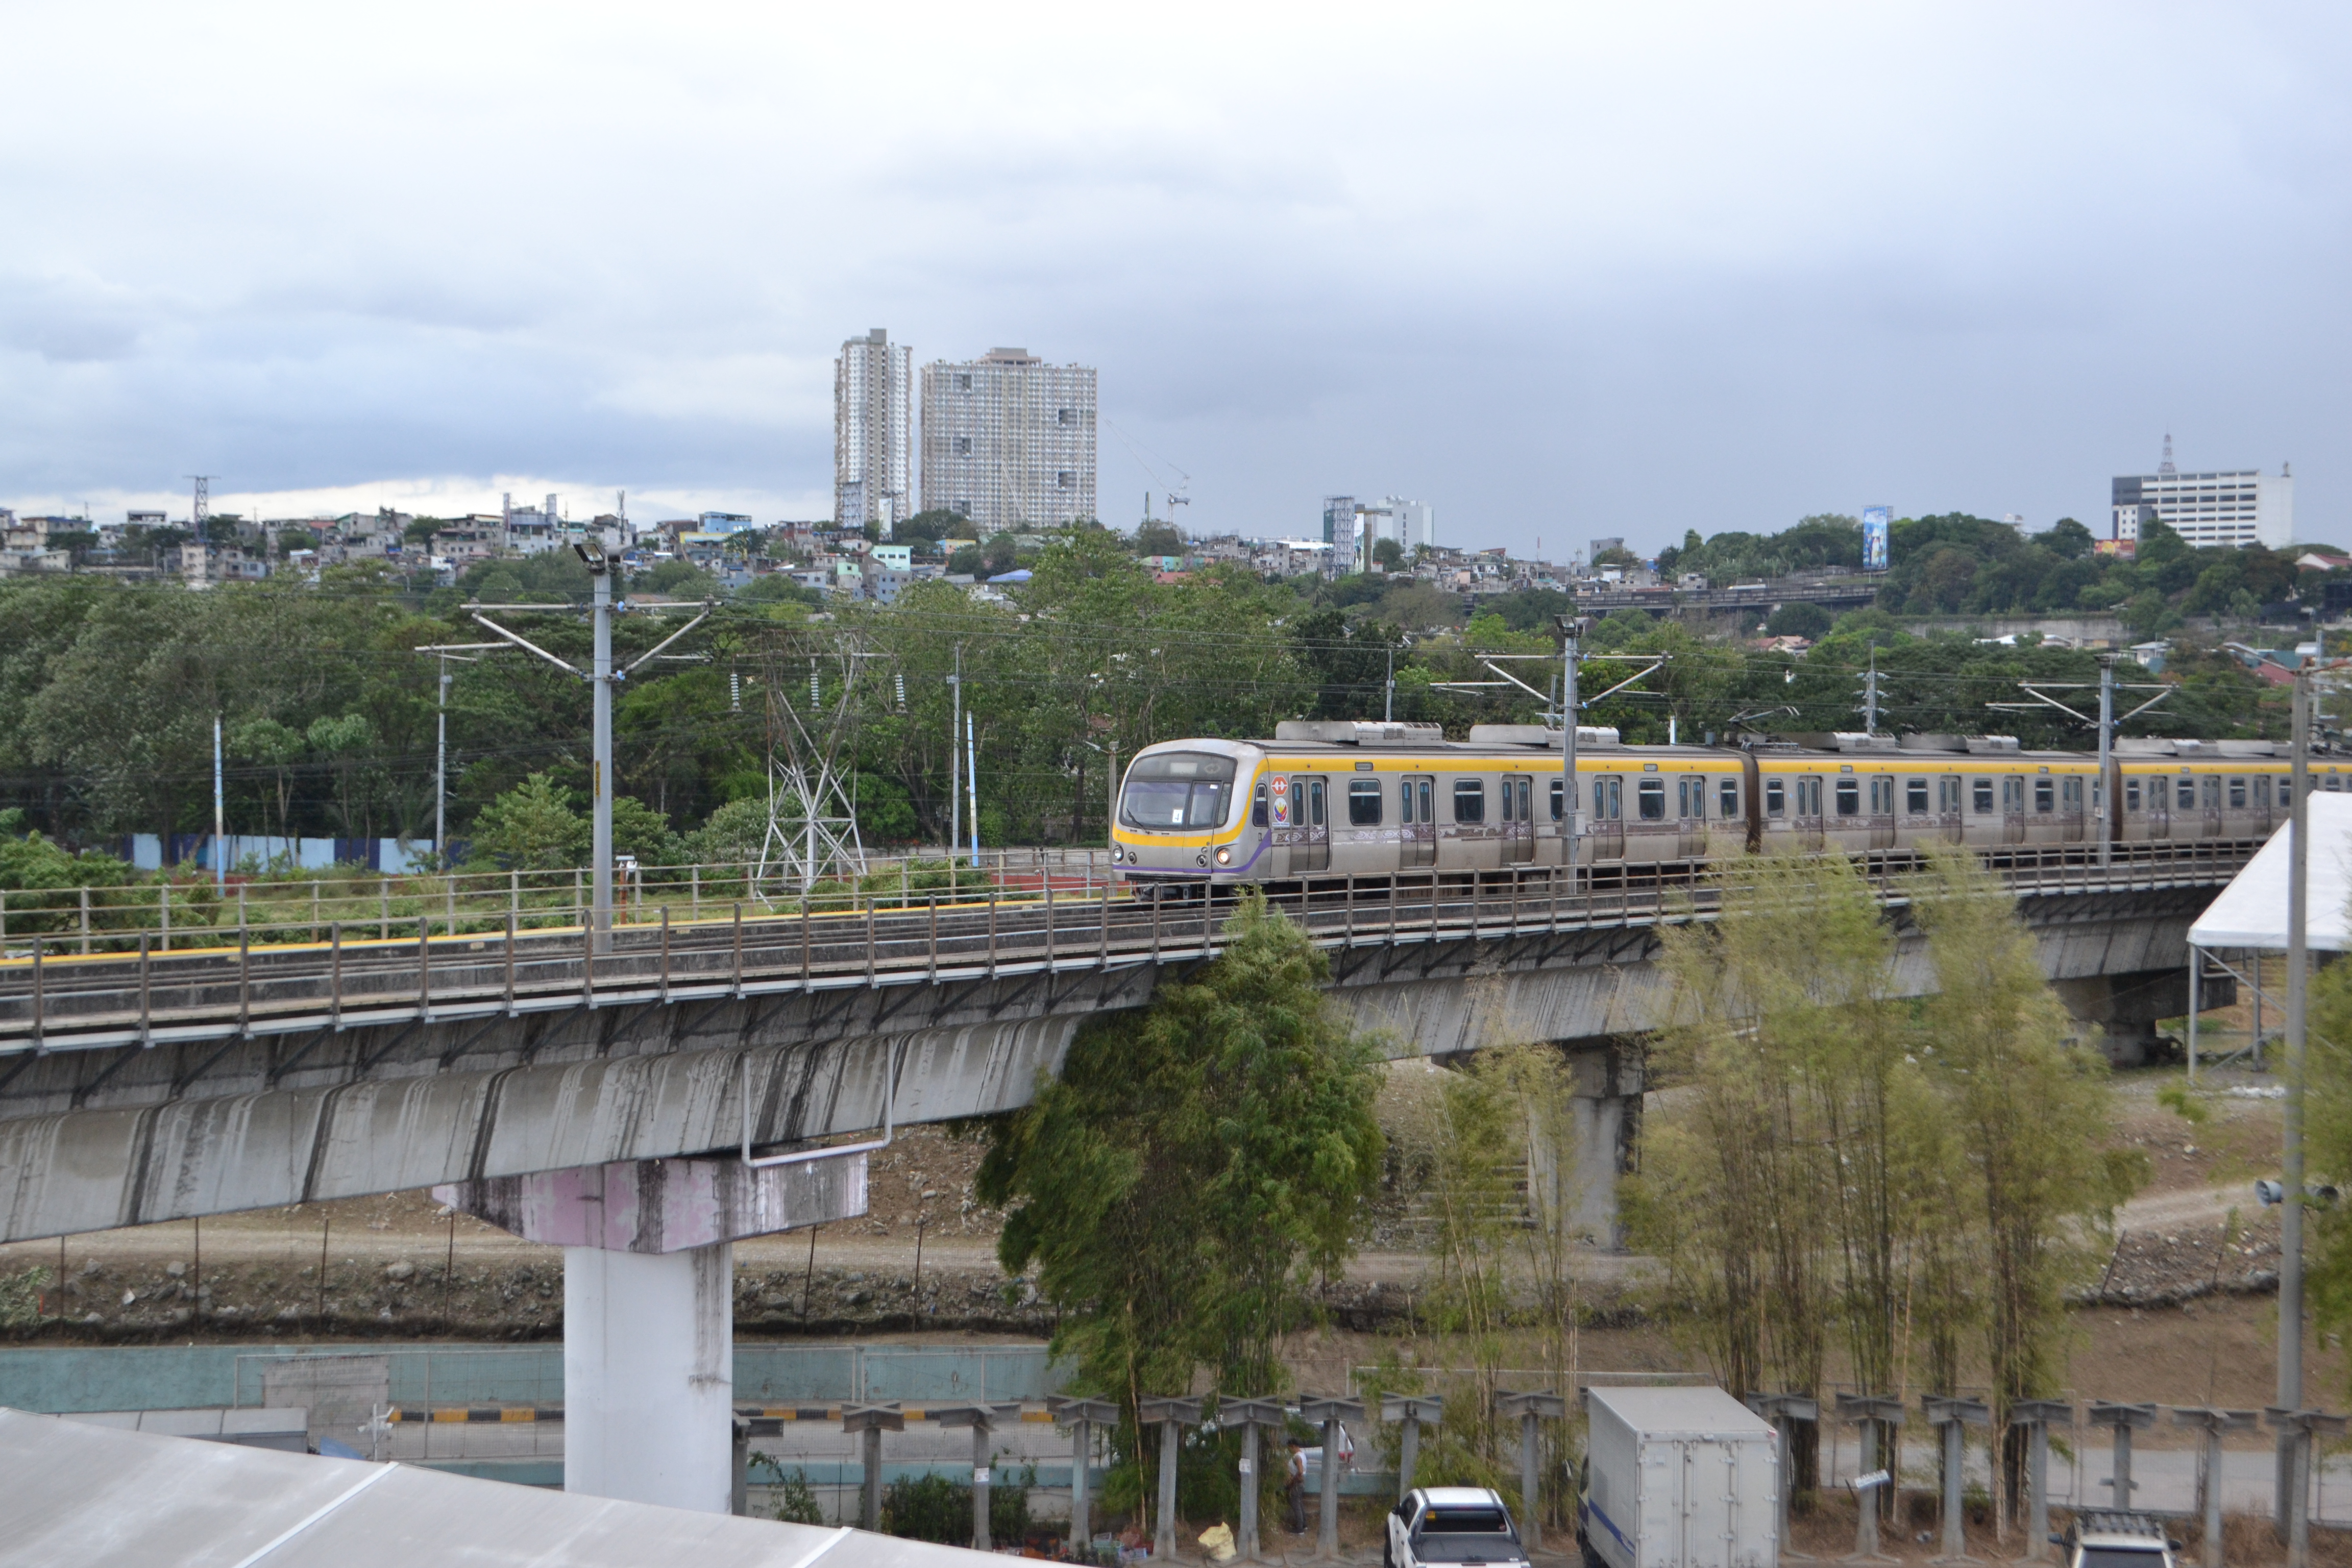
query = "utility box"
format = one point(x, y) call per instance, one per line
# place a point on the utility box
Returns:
point(1677, 1477)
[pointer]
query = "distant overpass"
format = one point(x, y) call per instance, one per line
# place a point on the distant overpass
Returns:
point(1854, 591)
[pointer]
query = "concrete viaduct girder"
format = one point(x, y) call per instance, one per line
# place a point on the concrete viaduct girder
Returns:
point(94, 1139)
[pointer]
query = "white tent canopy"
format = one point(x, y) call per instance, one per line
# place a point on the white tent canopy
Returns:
point(2251, 911)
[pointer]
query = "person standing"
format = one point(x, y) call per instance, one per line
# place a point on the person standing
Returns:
point(1294, 1489)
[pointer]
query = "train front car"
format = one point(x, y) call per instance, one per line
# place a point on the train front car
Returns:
point(1183, 816)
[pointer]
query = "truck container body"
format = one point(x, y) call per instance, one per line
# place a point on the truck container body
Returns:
point(1678, 1477)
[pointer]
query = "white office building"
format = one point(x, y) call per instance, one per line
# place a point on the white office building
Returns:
point(1410, 523)
point(872, 432)
point(2220, 509)
point(1009, 441)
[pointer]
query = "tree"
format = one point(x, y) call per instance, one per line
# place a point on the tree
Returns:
point(1192, 1168)
point(2025, 1105)
point(532, 827)
point(1797, 618)
point(1615, 555)
point(1156, 538)
point(1388, 554)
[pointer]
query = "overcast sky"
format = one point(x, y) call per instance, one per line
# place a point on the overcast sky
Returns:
point(1562, 271)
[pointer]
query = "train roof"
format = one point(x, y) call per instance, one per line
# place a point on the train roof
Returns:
point(1358, 737)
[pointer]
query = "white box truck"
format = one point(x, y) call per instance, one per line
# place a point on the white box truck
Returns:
point(1677, 1477)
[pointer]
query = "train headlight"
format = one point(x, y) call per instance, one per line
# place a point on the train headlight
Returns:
point(1224, 857)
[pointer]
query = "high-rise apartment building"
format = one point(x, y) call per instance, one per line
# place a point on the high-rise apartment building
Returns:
point(2220, 510)
point(1009, 441)
point(872, 432)
point(1410, 523)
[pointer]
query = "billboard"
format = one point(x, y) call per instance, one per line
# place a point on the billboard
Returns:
point(1875, 519)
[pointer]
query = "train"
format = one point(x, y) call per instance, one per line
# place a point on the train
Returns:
point(1375, 799)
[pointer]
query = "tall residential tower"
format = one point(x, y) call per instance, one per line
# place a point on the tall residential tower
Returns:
point(873, 432)
point(1009, 441)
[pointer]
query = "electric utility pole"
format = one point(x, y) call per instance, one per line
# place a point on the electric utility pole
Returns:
point(603, 676)
point(2103, 793)
point(955, 770)
point(445, 652)
point(1870, 695)
point(220, 814)
point(2290, 1287)
point(1388, 702)
point(1571, 630)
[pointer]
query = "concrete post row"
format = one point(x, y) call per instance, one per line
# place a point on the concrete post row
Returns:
point(1530, 1408)
point(1082, 1416)
point(872, 1421)
point(2213, 1424)
point(2302, 1427)
point(1409, 1411)
point(982, 1420)
point(2124, 1419)
point(1869, 1412)
point(1251, 1416)
point(1328, 1414)
point(2037, 1416)
point(1171, 1416)
point(1786, 1411)
point(1953, 1417)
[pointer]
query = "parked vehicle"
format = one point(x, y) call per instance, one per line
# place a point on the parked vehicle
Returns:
point(1680, 1477)
point(1446, 1526)
point(2109, 1538)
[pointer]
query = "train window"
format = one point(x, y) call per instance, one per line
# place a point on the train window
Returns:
point(2012, 797)
point(1508, 803)
point(2212, 792)
point(1881, 797)
point(2045, 797)
point(1984, 796)
point(2332, 785)
point(1314, 803)
point(1948, 796)
point(1526, 798)
point(1257, 805)
point(1364, 803)
point(1848, 796)
point(1808, 796)
point(1776, 798)
point(1653, 799)
point(1469, 800)
point(2262, 792)
point(1404, 801)
point(2071, 794)
point(2131, 796)
point(2186, 799)
point(1727, 799)
point(1558, 789)
point(2237, 793)
point(1690, 795)
point(1609, 797)
point(1916, 797)
point(1427, 798)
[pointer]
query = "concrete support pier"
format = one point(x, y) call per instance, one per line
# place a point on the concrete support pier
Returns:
point(648, 1378)
point(649, 1305)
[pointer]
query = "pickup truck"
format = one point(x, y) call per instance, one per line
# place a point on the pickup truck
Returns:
point(2109, 1538)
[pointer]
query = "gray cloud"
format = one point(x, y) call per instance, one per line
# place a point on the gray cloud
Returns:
point(1560, 270)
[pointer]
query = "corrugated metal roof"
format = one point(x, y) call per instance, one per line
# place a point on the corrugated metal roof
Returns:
point(95, 1496)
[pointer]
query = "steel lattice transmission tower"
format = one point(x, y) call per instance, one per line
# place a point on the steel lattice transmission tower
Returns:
point(812, 829)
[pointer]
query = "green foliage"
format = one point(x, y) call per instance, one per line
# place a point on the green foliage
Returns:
point(20, 1297)
point(551, 577)
point(1192, 1169)
point(1388, 554)
point(932, 526)
point(1843, 1162)
point(1158, 538)
point(2177, 1099)
point(532, 827)
point(679, 579)
point(796, 1499)
point(939, 1507)
point(1797, 619)
point(777, 588)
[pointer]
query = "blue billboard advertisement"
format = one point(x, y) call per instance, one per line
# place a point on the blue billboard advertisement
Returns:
point(1875, 521)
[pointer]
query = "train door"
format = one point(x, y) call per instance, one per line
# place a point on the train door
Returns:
point(1518, 818)
point(1416, 820)
point(2012, 809)
point(1805, 810)
point(2208, 805)
point(2262, 816)
point(1310, 839)
point(2070, 809)
point(1882, 811)
point(1690, 814)
point(1607, 840)
point(1948, 820)
point(2148, 806)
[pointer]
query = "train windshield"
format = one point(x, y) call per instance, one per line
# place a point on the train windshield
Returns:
point(1176, 789)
